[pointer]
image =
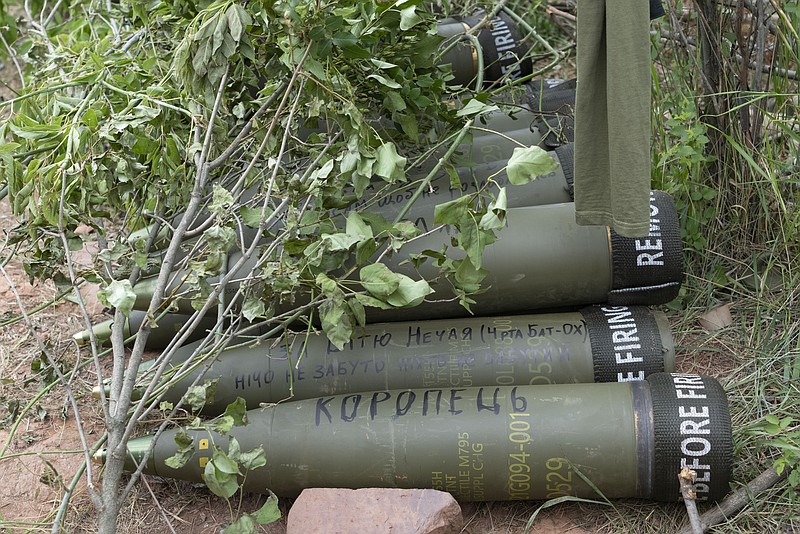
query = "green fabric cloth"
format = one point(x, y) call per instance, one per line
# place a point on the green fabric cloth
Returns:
point(612, 116)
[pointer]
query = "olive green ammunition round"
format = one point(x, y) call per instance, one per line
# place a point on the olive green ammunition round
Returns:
point(160, 336)
point(542, 259)
point(630, 439)
point(597, 344)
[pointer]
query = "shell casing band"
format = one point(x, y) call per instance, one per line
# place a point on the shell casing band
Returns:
point(597, 344)
point(630, 439)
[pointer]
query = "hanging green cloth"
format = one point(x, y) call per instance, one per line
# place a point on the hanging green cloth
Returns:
point(612, 116)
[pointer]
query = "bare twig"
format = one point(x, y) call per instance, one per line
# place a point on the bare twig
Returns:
point(555, 12)
point(737, 500)
point(13, 57)
point(687, 478)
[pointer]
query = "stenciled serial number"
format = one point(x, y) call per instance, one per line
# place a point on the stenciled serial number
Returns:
point(519, 469)
point(558, 478)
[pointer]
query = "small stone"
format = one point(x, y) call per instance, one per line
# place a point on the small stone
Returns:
point(387, 510)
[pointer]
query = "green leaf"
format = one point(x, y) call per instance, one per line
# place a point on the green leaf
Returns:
point(269, 513)
point(357, 227)
point(453, 211)
point(408, 122)
point(221, 200)
point(324, 171)
point(372, 302)
point(218, 477)
point(382, 64)
point(336, 322)
point(118, 294)
point(328, 285)
point(389, 163)
point(252, 216)
point(468, 277)
point(245, 524)
point(473, 240)
point(474, 108)
point(357, 308)
point(238, 20)
point(222, 424)
point(344, 39)
point(409, 293)
point(405, 230)
point(409, 18)
point(495, 216)
point(771, 418)
point(253, 307)
point(391, 84)
point(237, 410)
point(253, 459)
point(224, 463)
point(234, 449)
point(220, 238)
point(198, 396)
point(340, 241)
point(364, 251)
point(379, 280)
point(527, 164)
point(185, 450)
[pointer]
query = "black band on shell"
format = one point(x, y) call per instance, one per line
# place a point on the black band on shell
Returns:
point(691, 428)
point(626, 342)
point(649, 270)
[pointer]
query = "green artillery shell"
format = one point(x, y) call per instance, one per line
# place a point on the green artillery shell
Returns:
point(159, 337)
point(504, 55)
point(597, 344)
point(629, 439)
point(542, 259)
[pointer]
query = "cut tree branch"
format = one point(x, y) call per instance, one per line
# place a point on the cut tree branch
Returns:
point(687, 478)
point(737, 500)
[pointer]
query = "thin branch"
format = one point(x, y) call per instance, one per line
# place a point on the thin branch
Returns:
point(158, 505)
point(687, 478)
point(552, 11)
point(13, 57)
point(689, 42)
point(219, 160)
point(738, 500)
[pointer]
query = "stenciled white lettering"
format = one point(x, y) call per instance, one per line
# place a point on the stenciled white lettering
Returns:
point(695, 423)
point(651, 243)
point(624, 340)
